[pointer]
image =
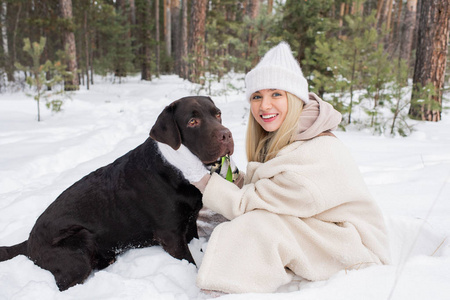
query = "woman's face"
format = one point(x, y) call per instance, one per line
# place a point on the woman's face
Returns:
point(269, 108)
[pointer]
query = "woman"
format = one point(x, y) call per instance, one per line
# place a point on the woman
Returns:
point(304, 207)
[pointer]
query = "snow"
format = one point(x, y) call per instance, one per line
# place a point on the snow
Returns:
point(409, 178)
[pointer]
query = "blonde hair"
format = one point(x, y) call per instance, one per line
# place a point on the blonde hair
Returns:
point(261, 145)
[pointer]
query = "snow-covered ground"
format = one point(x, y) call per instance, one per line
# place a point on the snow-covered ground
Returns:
point(409, 177)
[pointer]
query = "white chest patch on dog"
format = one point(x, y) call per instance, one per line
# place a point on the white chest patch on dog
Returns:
point(184, 160)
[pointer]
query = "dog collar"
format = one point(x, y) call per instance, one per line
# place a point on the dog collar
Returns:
point(223, 168)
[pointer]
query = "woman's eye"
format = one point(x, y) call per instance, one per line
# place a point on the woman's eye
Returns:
point(276, 95)
point(256, 97)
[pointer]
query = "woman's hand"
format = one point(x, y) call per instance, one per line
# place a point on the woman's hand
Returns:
point(201, 184)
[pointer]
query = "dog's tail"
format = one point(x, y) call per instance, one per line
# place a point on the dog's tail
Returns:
point(12, 251)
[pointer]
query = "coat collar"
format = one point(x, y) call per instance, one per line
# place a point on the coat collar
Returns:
point(317, 116)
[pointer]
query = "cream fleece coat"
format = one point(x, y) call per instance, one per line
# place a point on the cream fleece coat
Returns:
point(306, 211)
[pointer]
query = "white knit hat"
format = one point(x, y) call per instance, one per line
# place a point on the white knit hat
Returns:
point(278, 69)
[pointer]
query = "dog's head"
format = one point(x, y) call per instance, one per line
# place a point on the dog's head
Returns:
point(196, 123)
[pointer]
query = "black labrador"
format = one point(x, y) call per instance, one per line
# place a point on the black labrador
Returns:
point(139, 200)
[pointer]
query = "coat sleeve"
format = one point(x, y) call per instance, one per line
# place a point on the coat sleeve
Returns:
point(314, 177)
point(280, 194)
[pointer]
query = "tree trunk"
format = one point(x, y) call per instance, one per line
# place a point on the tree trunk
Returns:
point(157, 38)
point(357, 8)
point(389, 14)
point(341, 16)
point(416, 30)
point(184, 43)
point(167, 28)
point(196, 40)
point(133, 32)
point(4, 32)
point(146, 73)
point(132, 5)
point(176, 34)
point(70, 47)
point(384, 9)
point(431, 59)
point(407, 30)
point(352, 84)
point(269, 7)
point(124, 43)
point(86, 46)
point(395, 34)
point(16, 25)
point(379, 15)
point(252, 48)
point(91, 59)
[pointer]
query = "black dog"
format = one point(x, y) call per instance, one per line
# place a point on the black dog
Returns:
point(139, 200)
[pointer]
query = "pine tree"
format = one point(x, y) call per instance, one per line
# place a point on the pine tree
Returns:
point(400, 100)
point(114, 53)
point(303, 23)
point(44, 76)
point(354, 61)
point(123, 52)
point(377, 75)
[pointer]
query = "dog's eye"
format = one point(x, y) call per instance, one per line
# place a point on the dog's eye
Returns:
point(218, 115)
point(193, 122)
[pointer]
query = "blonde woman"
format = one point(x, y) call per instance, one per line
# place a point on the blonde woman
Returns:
point(304, 208)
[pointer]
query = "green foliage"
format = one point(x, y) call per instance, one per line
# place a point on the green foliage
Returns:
point(400, 101)
point(352, 61)
point(227, 43)
point(422, 100)
point(117, 54)
point(45, 78)
point(302, 24)
point(345, 59)
point(265, 31)
point(378, 74)
point(359, 74)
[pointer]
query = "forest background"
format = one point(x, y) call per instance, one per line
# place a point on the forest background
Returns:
point(385, 58)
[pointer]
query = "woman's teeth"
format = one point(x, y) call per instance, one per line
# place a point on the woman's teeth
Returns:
point(268, 116)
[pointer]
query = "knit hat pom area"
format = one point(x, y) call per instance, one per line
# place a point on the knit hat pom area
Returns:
point(278, 69)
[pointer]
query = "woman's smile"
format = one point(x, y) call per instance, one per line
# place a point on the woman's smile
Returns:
point(269, 117)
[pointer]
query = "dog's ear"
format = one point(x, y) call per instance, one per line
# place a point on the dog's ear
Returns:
point(165, 129)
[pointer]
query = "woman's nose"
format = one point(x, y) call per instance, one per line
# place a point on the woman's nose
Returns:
point(266, 103)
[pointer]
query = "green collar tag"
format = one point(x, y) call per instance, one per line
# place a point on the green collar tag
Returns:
point(229, 176)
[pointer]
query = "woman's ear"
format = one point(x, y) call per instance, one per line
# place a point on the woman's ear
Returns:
point(165, 130)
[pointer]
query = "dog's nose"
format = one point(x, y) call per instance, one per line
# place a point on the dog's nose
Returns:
point(224, 136)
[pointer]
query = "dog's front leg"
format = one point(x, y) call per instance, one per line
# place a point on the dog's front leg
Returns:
point(175, 244)
point(192, 231)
